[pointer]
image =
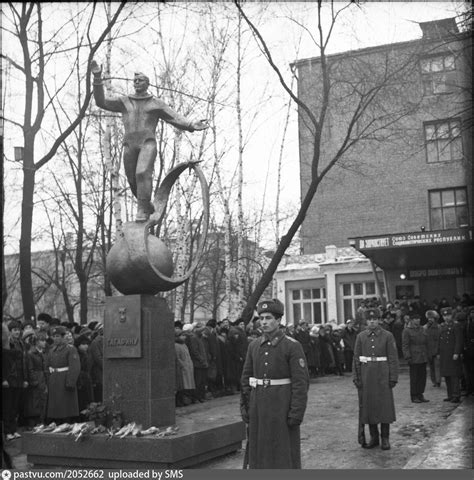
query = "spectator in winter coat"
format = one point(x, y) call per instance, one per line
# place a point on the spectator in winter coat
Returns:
point(432, 330)
point(96, 357)
point(348, 338)
point(85, 393)
point(236, 350)
point(37, 391)
point(185, 384)
point(197, 350)
point(18, 380)
point(415, 351)
point(302, 335)
point(9, 399)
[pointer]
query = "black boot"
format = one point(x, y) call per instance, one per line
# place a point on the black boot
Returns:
point(361, 436)
point(374, 436)
point(385, 433)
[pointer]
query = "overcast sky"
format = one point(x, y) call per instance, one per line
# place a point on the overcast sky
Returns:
point(373, 24)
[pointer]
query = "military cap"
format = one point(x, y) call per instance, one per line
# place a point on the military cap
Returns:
point(432, 314)
point(446, 311)
point(13, 324)
point(58, 330)
point(273, 306)
point(372, 313)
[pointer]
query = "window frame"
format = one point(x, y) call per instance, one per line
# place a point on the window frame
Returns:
point(435, 124)
point(431, 76)
point(321, 301)
point(442, 208)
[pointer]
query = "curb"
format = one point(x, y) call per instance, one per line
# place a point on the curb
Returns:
point(451, 446)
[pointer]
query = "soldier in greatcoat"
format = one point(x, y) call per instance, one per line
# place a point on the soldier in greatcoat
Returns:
point(274, 393)
point(63, 366)
point(375, 373)
point(450, 349)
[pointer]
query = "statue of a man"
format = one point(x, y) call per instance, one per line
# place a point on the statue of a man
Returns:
point(140, 115)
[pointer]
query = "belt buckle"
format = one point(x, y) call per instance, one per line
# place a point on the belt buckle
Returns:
point(253, 382)
point(266, 382)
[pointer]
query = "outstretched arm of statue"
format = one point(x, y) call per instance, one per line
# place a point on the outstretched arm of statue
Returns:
point(167, 114)
point(107, 103)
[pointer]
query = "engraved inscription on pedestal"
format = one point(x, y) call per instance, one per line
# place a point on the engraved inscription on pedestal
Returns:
point(122, 331)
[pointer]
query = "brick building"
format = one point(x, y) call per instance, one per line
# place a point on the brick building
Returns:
point(401, 195)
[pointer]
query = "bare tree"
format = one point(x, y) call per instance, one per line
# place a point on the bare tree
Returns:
point(28, 29)
point(362, 95)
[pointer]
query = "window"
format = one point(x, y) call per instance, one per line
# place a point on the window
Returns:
point(354, 293)
point(443, 141)
point(308, 304)
point(448, 208)
point(438, 74)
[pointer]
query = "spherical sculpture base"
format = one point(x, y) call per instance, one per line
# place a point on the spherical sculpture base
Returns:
point(128, 264)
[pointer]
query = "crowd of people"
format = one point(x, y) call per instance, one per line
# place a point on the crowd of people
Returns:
point(53, 370)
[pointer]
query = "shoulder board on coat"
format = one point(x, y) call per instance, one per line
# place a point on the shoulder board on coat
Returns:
point(291, 338)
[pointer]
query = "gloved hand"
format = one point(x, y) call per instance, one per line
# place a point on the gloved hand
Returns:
point(357, 383)
point(293, 422)
point(244, 414)
point(392, 383)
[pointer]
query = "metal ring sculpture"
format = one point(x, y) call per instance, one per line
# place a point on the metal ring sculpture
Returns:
point(160, 202)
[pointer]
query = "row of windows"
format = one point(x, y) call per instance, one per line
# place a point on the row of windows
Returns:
point(309, 304)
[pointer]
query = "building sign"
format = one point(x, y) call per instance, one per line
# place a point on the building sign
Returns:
point(435, 272)
point(122, 328)
point(413, 239)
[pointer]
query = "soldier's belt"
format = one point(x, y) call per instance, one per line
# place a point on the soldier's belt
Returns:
point(372, 359)
point(54, 370)
point(267, 382)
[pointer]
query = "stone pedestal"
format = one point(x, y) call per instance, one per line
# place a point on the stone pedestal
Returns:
point(139, 359)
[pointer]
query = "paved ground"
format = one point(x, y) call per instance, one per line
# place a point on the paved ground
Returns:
point(434, 435)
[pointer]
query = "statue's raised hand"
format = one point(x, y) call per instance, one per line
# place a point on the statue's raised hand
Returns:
point(200, 124)
point(96, 69)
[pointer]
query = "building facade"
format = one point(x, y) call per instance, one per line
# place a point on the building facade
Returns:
point(401, 195)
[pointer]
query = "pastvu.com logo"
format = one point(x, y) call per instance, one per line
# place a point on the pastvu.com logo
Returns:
point(6, 474)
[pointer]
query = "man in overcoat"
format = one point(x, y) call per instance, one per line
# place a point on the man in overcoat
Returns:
point(432, 329)
point(450, 349)
point(415, 351)
point(274, 393)
point(375, 373)
point(64, 366)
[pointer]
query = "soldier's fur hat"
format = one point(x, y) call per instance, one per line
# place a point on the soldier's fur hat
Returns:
point(273, 306)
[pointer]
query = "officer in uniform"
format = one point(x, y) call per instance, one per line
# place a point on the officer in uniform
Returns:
point(64, 366)
point(274, 393)
point(375, 373)
point(450, 349)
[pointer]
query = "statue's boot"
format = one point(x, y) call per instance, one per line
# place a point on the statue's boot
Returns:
point(144, 209)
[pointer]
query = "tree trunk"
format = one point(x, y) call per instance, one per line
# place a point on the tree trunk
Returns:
point(26, 284)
